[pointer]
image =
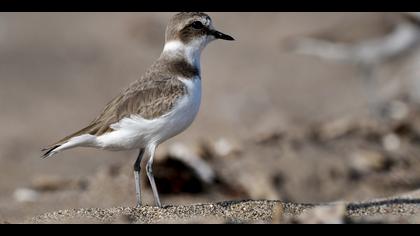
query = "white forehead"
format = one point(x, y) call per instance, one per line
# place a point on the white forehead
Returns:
point(203, 19)
point(206, 21)
point(184, 19)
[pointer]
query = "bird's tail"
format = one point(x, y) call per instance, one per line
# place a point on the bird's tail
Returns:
point(78, 139)
point(85, 140)
point(48, 152)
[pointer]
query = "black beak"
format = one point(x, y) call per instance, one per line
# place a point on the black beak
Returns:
point(220, 35)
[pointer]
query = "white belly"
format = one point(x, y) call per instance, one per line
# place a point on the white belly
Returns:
point(135, 132)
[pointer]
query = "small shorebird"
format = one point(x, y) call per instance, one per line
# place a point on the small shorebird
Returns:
point(158, 106)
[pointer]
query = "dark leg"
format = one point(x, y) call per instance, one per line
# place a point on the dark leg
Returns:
point(137, 169)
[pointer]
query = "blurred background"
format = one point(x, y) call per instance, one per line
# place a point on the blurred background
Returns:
point(303, 107)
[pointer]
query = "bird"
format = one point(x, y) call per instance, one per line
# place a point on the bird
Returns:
point(161, 104)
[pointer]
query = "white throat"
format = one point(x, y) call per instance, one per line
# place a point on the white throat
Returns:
point(190, 52)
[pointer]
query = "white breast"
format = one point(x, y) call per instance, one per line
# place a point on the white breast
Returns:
point(185, 111)
point(136, 132)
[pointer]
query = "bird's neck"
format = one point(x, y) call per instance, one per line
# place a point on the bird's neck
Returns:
point(191, 52)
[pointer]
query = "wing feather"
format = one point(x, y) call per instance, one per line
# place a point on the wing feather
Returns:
point(148, 99)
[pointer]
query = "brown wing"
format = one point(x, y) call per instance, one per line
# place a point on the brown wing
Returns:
point(148, 99)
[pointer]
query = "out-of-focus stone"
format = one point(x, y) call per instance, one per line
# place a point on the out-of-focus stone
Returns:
point(366, 161)
point(398, 110)
point(258, 186)
point(329, 214)
point(191, 158)
point(391, 142)
point(335, 129)
point(269, 138)
point(225, 147)
point(47, 183)
point(25, 195)
point(278, 214)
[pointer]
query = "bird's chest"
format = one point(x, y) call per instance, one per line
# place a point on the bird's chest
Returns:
point(185, 110)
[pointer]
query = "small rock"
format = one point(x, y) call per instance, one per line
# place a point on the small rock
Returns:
point(52, 183)
point(331, 214)
point(278, 214)
point(391, 142)
point(398, 110)
point(364, 161)
point(25, 195)
point(257, 186)
point(224, 147)
point(269, 138)
point(335, 129)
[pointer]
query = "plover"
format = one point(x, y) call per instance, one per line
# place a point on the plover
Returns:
point(158, 106)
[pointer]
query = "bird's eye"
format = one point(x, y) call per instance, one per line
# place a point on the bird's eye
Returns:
point(197, 25)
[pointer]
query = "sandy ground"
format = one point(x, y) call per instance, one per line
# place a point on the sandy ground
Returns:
point(273, 125)
point(394, 210)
